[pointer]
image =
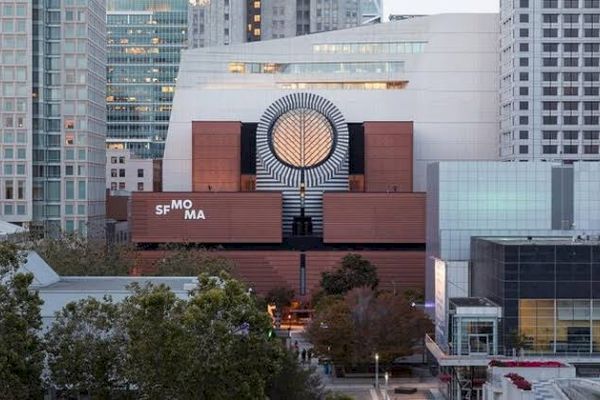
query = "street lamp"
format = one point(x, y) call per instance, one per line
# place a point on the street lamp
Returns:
point(387, 377)
point(376, 371)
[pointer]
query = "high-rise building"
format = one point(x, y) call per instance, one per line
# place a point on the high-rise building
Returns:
point(549, 82)
point(236, 21)
point(53, 115)
point(145, 39)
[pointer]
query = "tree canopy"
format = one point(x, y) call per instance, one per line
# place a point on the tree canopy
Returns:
point(74, 255)
point(354, 272)
point(21, 354)
point(214, 345)
point(352, 329)
point(192, 262)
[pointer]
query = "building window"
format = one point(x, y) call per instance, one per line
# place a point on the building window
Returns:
point(140, 173)
point(591, 135)
point(121, 160)
point(140, 186)
point(549, 149)
point(121, 173)
point(122, 185)
point(523, 135)
point(570, 120)
point(570, 149)
point(8, 190)
point(523, 149)
point(549, 135)
point(570, 135)
point(113, 186)
point(113, 160)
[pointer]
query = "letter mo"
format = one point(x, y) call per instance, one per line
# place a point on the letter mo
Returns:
point(179, 204)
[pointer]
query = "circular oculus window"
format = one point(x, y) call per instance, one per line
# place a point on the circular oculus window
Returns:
point(302, 138)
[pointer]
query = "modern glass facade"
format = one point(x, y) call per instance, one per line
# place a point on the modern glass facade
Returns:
point(467, 199)
point(15, 111)
point(53, 115)
point(145, 39)
point(549, 291)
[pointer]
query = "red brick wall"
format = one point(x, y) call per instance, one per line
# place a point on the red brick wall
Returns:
point(216, 156)
point(374, 218)
point(388, 156)
point(250, 217)
point(264, 270)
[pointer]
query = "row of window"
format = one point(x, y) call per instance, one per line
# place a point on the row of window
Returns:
point(12, 191)
point(565, 149)
point(567, 135)
point(121, 186)
point(566, 120)
point(114, 172)
point(566, 91)
point(9, 209)
point(564, 3)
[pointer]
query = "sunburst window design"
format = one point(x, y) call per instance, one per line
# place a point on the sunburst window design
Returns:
point(302, 138)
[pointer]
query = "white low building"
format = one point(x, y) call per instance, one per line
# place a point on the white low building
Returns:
point(57, 291)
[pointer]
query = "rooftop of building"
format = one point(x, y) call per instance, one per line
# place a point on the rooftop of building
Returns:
point(579, 240)
point(472, 302)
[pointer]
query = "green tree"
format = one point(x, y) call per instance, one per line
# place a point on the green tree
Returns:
point(232, 354)
point(85, 350)
point(10, 257)
point(294, 382)
point(354, 272)
point(73, 255)
point(21, 353)
point(365, 322)
point(338, 396)
point(281, 297)
point(193, 262)
point(158, 348)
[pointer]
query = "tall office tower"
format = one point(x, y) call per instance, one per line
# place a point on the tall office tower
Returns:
point(213, 23)
point(53, 115)
point(145, 39)
point(15, 111)
point(550, 81)
point(236, 21)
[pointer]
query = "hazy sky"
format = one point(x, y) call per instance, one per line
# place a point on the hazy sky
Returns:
point(437, 6)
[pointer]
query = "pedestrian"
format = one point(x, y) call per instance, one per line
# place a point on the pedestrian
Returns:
point(296, 349)
point(310, 354)
point(303, 356)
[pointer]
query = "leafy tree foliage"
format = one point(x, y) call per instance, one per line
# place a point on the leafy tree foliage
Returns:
point(10, 257)
point(354, 272)
point(21, 354)
point(294, 382)
point(213, 346)
point(73, 255)
point(365, 322)
point(157, 349)
point(193, 262)
point(281, 297)
point(85, 348)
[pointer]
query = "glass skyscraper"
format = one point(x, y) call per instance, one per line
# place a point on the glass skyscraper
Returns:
point(53, 114)
point(145, 39)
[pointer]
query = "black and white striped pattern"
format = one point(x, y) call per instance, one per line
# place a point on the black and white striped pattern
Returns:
point(330, 175)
